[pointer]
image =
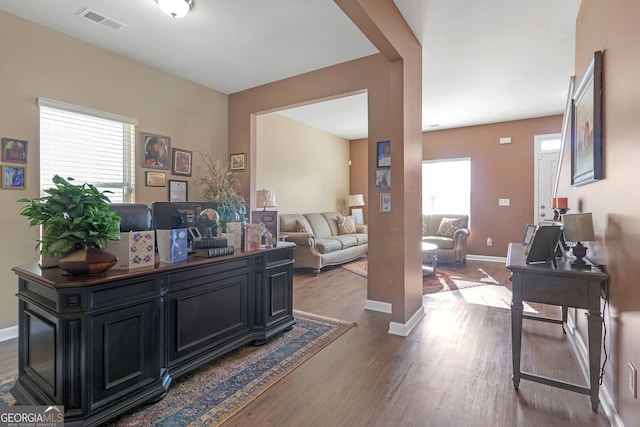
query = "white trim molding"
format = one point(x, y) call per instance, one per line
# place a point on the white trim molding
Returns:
point(404, 329)
point(580, 349)
point(379, 306)
point(9, 333)
point(487, 258)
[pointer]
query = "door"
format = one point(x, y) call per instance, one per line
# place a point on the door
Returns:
point(547, 152)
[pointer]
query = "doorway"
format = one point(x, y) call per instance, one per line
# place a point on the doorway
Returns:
point(546, 162)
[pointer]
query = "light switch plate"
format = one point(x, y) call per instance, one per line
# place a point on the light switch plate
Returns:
point(504, 202)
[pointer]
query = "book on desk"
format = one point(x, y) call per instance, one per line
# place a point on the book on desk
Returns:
point(214, 252)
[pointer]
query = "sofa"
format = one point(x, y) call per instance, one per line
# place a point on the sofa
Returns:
point(449, 232)
point(320, 240)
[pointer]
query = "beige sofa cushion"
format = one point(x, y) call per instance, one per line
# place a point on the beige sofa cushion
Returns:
point(326, 246)
point(346, 225)
point(319, 224)
point(448, 227)
point(303, 226)
point(347, 240)
point(439, 241)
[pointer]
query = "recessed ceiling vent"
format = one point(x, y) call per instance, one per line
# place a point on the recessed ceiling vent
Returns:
point(100, 19)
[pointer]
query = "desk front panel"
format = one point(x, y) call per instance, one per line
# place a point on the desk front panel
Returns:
point(554, 289)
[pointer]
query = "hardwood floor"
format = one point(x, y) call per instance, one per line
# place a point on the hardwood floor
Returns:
point(453, 370)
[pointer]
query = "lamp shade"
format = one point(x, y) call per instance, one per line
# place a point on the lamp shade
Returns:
point(356, 200)
point(265, 199)
point(578, 227)
point(560, 203)
point(175, 8)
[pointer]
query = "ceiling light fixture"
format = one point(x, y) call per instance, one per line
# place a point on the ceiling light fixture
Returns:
point(175, 8)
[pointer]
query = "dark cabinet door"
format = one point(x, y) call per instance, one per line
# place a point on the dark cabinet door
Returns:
point(206, 317)
point(125, 351)
point(278, 301)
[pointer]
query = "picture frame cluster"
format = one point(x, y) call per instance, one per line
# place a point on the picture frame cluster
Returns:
point(14, 174)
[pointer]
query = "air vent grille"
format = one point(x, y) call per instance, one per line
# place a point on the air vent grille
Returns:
point(101, 19)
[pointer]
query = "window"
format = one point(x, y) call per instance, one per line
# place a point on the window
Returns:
point(446, 186)
point(89, 146)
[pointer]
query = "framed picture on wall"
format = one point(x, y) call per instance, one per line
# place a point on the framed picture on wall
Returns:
point(385, 202)
point(384, 154)
point(14, 150)
point(181, 162)
point(155, 179)
point(237, 162)
point(586, 129)
point(383, 179)
point(14, 177)
point(156, 151)
point(178, 190)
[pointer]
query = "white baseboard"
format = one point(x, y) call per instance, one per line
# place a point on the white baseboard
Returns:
point(582, 353)
point(404, 329)
point(9, 333)
point(487, 258)
point(382, 307)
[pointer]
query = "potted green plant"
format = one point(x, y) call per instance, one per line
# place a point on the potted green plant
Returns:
point(217, 184)
point(77, 222)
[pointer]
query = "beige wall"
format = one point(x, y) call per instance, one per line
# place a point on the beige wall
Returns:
point(39, 62)
point(613, 27)
point(306, 167)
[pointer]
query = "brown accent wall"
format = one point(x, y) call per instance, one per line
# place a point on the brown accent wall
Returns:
point(37, 61)
point(392, 81)
point(358, 172)
point(497, 172)
point(614, 202)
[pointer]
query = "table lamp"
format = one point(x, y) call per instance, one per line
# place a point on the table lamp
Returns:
point(560, 207)
point(354, 201)
point(265, 199)
point(578, 228)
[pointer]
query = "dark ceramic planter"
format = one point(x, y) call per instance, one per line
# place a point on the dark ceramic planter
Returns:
point(87, 261)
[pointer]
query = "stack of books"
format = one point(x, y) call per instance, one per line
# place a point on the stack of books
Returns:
point(214, 252)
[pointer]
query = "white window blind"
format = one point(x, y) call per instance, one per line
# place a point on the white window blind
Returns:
point(88, 145)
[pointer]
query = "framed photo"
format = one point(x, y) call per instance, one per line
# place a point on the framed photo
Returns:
point(181, 162)
point(156, 151)
point(14, 150)
point(357, 215)
point(237, 162)
point(155, 179)
point(178, 190)
point(14, 177)
point(542, 247)
point(529, 231)
point(384, 154)
point(385, 202)
point(383, 179)
point(586, 129)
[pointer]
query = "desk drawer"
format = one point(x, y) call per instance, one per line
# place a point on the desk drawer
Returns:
point(556, 291)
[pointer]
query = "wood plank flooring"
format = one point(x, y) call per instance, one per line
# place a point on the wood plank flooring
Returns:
point(453, 370)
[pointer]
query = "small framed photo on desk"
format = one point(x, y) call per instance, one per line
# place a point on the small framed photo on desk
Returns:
point(544, 244)
point(529, 231)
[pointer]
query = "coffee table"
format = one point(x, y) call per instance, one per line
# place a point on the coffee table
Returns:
point(429, 258)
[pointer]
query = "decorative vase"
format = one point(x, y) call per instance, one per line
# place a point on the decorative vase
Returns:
point(87, 261)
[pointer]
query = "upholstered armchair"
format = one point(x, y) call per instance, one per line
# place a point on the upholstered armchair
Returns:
point(449, 232)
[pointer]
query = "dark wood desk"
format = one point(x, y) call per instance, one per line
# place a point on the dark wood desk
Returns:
point(102, 346)
point(565, 287)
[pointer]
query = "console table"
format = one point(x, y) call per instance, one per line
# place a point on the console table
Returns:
point(562, 286)
point(102, 346)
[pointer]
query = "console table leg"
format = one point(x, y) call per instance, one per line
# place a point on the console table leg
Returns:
point(516, 340)
point(595, 339)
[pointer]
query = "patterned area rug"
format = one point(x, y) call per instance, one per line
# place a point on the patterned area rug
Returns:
point(215, 392)
point(444, 280)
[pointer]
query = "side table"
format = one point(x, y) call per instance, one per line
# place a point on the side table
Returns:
point(429, 258)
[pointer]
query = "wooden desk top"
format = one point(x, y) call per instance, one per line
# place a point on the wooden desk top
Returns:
point(516, 262)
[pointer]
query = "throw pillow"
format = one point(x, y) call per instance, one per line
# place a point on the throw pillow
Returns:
point(303, 226)
point(448, 226)
point(346, 225)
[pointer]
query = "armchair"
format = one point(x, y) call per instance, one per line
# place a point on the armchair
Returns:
point(450, 237)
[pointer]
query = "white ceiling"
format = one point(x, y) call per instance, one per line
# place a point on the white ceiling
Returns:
point(483, 61)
